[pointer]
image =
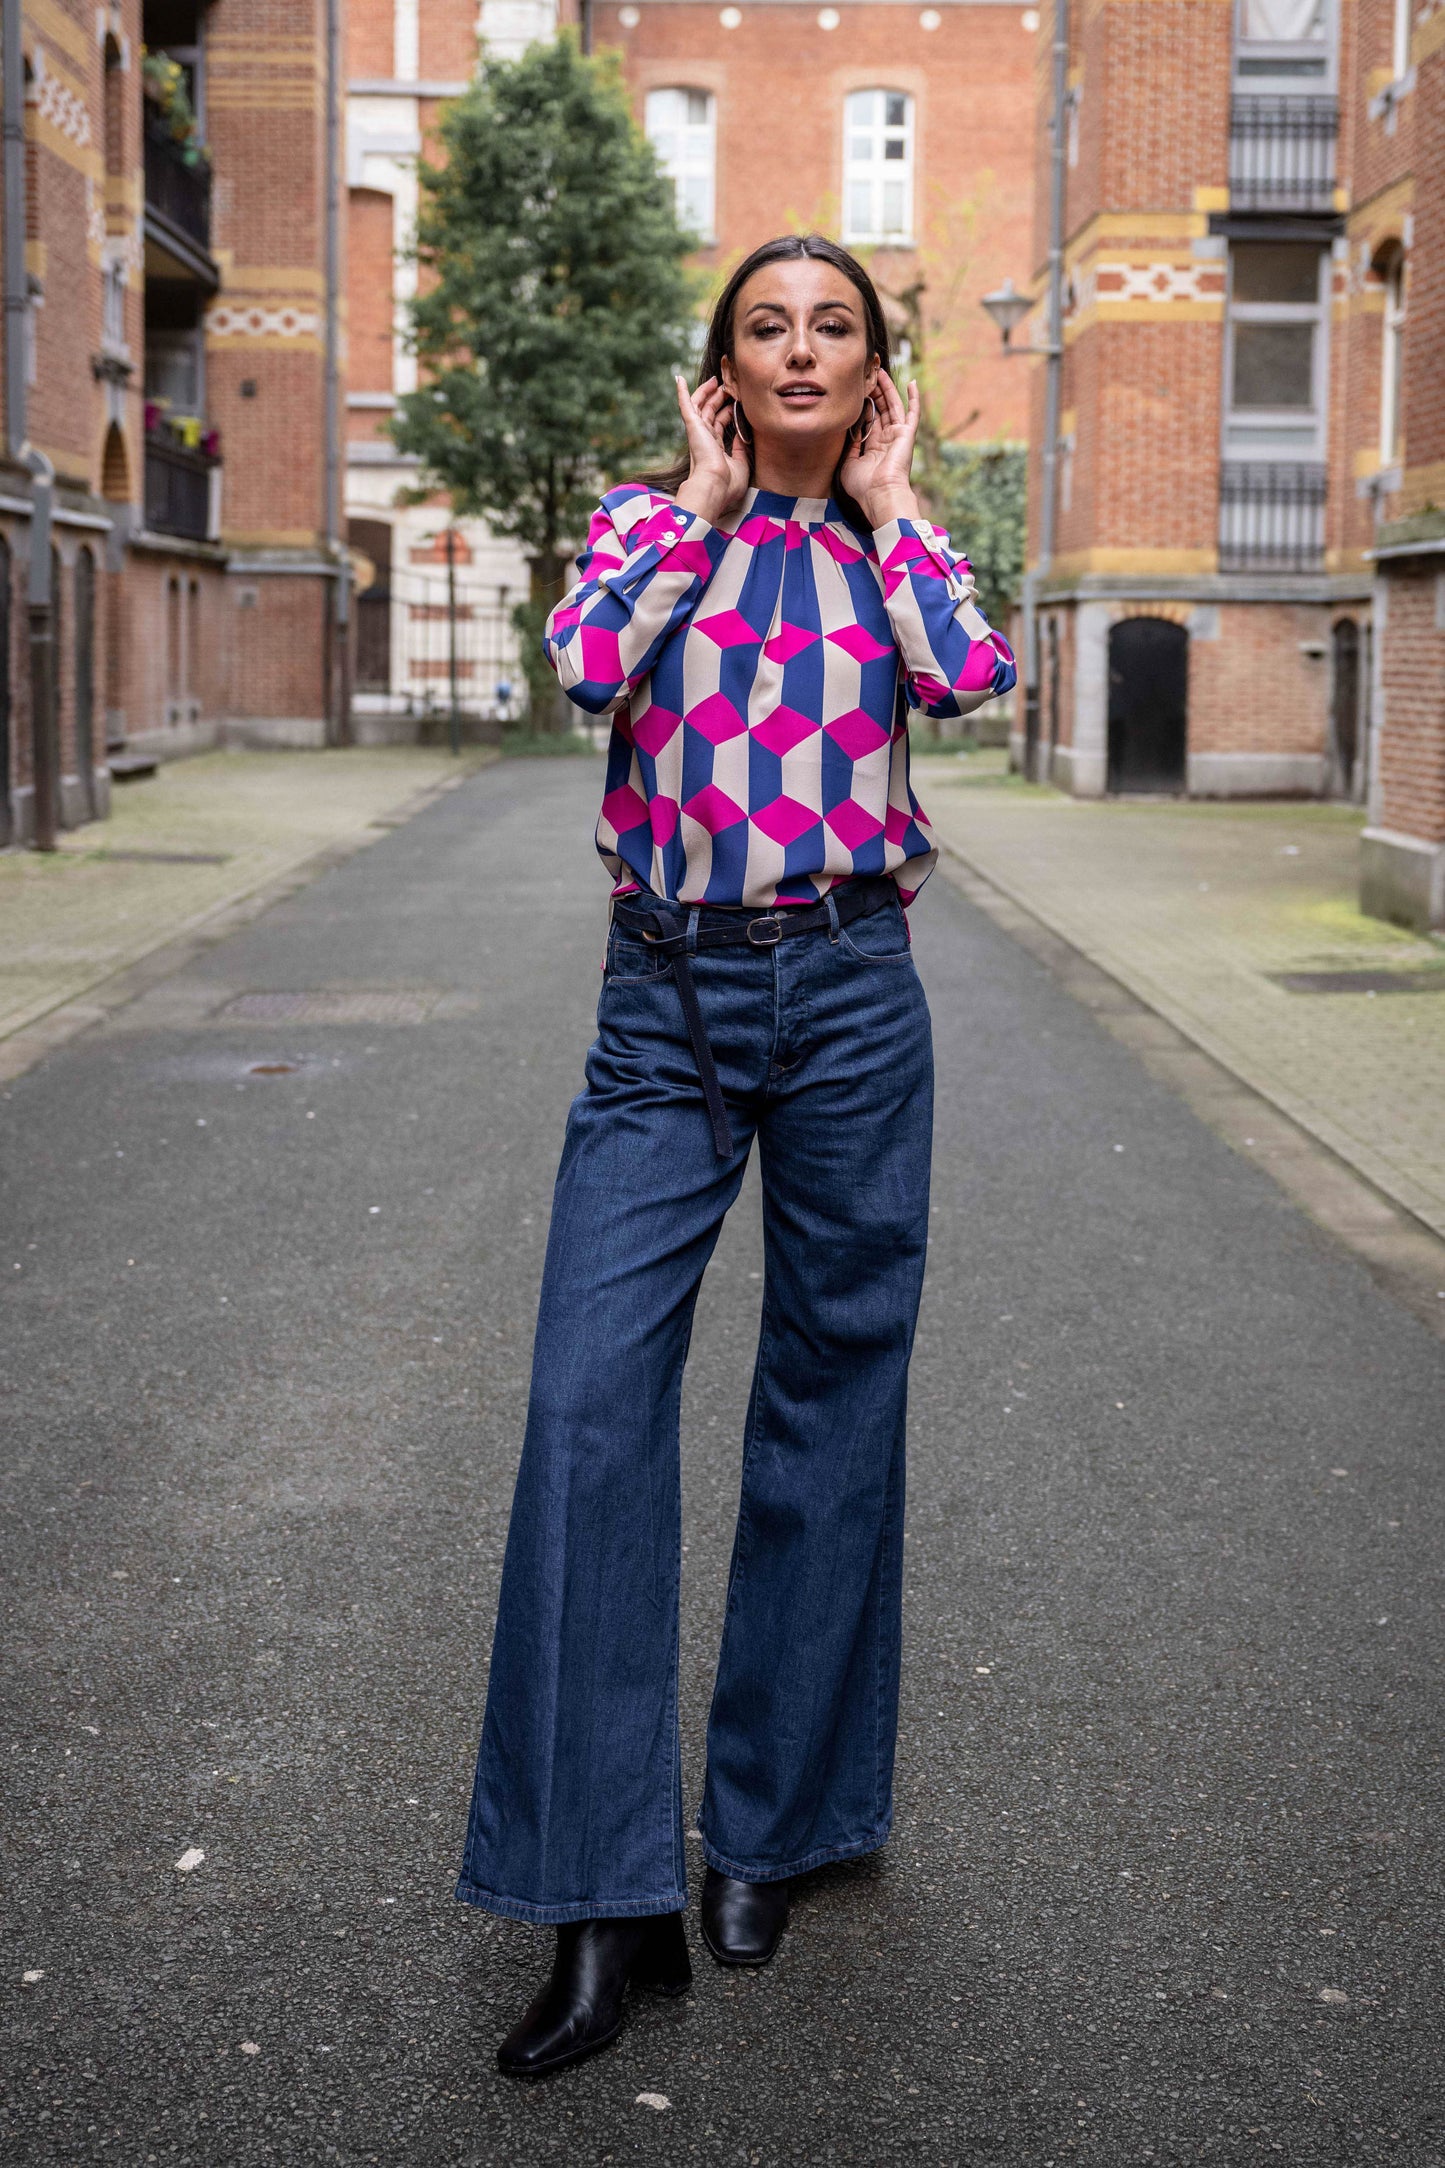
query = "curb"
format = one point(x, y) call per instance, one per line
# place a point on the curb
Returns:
point(1402, 1253)
point(30, 1044)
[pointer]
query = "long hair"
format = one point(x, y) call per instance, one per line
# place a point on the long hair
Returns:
point(788, 248)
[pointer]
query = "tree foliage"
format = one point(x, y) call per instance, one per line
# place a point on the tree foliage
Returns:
point(553, 303)
point(977, 492)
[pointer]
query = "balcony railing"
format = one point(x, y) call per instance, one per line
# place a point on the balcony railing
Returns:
point(1271, 516)
point(1282, 153)
point(178, 490)
point(180, 192)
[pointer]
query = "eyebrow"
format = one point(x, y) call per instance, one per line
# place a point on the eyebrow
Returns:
point(818, 308)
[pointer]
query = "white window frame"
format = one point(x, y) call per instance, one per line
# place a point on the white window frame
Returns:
point(1392, 339)
point(1269, 66)
point(1280, 433)
point(874, 171)
point(687, 151)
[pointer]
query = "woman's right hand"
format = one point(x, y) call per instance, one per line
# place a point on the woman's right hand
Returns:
point(719, 478)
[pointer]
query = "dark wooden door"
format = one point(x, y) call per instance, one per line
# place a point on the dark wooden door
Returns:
point(1345, 704)
point(1148, 704)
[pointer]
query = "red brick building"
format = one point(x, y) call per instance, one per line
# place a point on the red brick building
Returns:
point(1251, 410)
point(169, 318)
point(901, 130)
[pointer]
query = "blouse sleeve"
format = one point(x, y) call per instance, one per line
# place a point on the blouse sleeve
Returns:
point(952, 657)
point(646, 562)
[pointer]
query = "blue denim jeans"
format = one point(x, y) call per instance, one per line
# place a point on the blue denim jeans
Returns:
point(824, 1050)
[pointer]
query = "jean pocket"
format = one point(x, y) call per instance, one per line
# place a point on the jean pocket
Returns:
point(879, 938)
point(630, 959)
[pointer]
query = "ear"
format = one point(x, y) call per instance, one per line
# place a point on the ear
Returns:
point(870, 376)
point(728, 375)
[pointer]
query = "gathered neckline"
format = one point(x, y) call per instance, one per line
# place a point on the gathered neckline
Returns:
point(806, 511)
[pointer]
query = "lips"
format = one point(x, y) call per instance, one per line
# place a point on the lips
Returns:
point(803, 392)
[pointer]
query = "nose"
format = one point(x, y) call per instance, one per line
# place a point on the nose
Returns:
point(800, 348)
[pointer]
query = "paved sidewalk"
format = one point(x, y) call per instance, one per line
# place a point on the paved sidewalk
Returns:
point(1200, 910)
point(180, 848)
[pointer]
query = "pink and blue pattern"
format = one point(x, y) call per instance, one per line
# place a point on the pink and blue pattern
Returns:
point(759, 679)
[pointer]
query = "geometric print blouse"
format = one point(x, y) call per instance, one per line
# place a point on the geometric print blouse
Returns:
point(759, 677)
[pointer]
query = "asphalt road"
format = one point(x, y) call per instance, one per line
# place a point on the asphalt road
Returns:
point(1165, 1884)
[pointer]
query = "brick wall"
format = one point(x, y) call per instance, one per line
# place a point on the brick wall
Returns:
point(780, 81)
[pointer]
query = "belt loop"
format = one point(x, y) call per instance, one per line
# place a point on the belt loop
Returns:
point(692, 918)
point(833, 928)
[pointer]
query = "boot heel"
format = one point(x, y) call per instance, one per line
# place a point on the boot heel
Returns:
point(663, 1963)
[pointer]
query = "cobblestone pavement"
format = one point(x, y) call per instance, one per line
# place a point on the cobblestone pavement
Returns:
point(181, 845)
point(1201, 910)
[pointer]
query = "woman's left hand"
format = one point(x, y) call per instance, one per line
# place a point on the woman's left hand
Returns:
point(875, 471)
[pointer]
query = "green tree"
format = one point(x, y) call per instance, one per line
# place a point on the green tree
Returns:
point(976, 492)
point(553, 308)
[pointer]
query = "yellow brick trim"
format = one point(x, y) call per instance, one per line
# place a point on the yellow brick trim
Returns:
point(1420, 486)
point(37, 259)
point(1381, 214)
point(265, 98)
point(1211, 199)
point(273, 538)
point(1163, 564)
point(1142, 312)
point(52, 22)
point(1366, 463)
point(1178, 613)
point(1347, 561)
point(271, 278)
point(1142, 227)
point(1429, 37)
point(1376, 80)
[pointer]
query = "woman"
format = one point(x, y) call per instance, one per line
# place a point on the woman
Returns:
point(758, 624)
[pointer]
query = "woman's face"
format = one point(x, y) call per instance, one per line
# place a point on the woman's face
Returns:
point(802, 362)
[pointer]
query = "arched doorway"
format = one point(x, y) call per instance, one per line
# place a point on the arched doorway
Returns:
point(1345, 683)
point(1148, 704)
point(85, 678)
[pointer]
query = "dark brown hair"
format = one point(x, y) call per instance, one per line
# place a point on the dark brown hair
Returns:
point(788, 248)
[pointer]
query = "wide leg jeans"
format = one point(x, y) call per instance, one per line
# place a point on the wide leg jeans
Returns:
point(824, 1051)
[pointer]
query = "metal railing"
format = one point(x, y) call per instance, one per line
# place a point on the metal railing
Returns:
point(178, 490)
point(179, 192)
point(1282, 153)
point(1271, 516)
point(407, 634)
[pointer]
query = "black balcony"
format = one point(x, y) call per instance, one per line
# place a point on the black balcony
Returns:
point(1282, 154)
point(178, 490)
point(178, 200)
point(1272, 516)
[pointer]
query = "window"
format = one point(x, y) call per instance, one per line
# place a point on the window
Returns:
point(1284, 45)
point(681, 126)
point(878, 166)
point(1276, 350)
point(1392, 270)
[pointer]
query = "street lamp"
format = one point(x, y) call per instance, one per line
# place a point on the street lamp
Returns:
point(1008, 308)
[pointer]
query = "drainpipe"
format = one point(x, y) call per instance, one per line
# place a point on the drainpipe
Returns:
point(1053, 385)
point(338, 642)
point(17, 299)
point(45, 752)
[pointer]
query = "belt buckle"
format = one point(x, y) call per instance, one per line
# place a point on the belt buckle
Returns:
point(765, 940)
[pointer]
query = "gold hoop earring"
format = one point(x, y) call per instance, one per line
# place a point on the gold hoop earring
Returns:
point(738, 419)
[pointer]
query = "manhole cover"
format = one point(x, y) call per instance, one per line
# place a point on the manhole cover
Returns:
point(356, 1005)
point(1361, 982)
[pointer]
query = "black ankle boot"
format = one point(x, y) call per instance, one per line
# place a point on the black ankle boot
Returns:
point(742, 1922)
point(580, 2008)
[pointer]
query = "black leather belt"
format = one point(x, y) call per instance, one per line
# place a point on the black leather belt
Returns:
point(664, 926)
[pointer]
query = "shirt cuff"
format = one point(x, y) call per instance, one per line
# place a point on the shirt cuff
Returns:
point(903, 539)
